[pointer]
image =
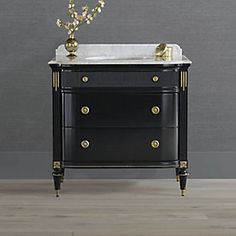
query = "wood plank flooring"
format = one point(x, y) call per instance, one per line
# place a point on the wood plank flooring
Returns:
point(118, 208)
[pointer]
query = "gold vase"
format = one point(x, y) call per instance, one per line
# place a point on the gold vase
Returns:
point(71, 46)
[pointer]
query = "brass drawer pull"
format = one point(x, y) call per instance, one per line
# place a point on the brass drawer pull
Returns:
point(155, 110)
point(85, 79)
point(155, 79)
point(85, 144)
point(85, 110)
point(155, 144)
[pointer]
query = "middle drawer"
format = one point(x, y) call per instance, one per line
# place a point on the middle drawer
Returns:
point(120, 109)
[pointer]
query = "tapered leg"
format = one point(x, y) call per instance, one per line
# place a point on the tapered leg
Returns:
point(57, 182)
point(57, 174)
point(183, 176)
point(183, 129)
point(57, 130)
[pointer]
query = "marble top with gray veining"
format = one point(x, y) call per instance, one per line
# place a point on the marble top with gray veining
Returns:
point(120, 54)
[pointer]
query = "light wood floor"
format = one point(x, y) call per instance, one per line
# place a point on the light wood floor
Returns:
point(118, 208)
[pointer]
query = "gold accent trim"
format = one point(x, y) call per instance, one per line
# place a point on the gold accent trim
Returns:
point(85, 79)
point(184, 174)
point(85, 110)
point(56, 165)
point(183, 191)
point(183, 164)
point(57, 193)
point(155, 144)
point(85, 144)
point(56, 80)
point(155, 110)
point(184, 80)
point(155, 79)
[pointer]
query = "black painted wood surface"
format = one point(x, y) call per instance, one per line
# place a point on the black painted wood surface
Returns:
point(120, 125)
point(120, 109)
point(101, 79)
point(121, 145)
point(120, 99)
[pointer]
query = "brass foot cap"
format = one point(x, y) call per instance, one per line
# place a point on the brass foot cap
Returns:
point(57, 193)
point(183, 191)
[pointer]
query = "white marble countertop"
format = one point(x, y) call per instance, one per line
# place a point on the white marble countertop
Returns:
point(117, 54)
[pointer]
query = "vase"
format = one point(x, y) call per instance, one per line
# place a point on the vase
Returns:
point(71, 46)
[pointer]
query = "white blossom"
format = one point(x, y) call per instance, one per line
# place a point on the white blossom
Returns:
point(59, 23)
point(79, 19)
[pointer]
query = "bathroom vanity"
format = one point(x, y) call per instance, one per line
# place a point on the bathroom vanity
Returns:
point(117, 106)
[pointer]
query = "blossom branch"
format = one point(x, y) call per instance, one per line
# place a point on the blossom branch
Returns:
point(78, 20)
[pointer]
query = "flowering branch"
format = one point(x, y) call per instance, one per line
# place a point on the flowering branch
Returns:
point(78, 20)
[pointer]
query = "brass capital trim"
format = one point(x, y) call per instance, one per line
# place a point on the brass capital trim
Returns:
point(183, 164)
point(56, 165)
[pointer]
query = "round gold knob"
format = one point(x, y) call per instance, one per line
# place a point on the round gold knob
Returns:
point(85, 79)
point(155, 79)
point(155, 110)
point(155, 144)
point(85, 110)
point(85, 144)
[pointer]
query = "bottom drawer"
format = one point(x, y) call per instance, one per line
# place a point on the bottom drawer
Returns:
point(120, 145)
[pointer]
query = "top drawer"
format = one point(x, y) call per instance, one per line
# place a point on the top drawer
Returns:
point(164, 79)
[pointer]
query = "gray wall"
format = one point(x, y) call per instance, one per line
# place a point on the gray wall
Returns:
point(29, 36)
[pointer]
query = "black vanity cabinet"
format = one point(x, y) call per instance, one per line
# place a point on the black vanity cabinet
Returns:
point(120, 116)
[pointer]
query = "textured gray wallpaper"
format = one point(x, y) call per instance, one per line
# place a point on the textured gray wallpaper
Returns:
point(28, 37)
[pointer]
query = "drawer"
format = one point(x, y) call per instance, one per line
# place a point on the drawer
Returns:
point(114, 145)
point(120, 109)
point(167, 79)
